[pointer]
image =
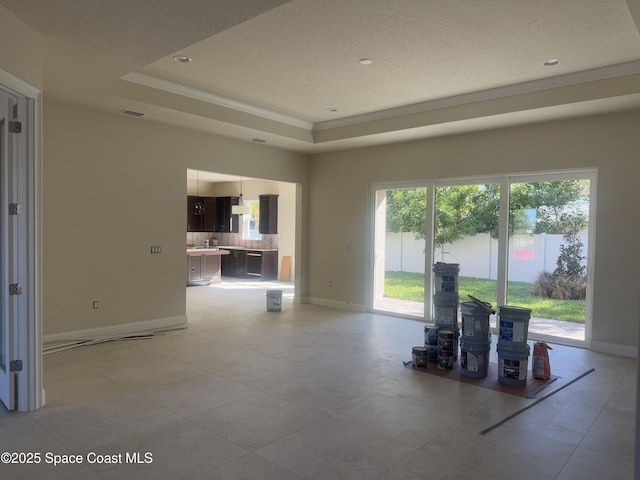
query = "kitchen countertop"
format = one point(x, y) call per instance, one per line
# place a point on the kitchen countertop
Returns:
point(236, 247)
point(207, 251)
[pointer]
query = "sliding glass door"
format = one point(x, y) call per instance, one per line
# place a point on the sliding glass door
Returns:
point(520, 241)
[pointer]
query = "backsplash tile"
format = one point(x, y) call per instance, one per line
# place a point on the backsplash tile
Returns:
point(232, 239)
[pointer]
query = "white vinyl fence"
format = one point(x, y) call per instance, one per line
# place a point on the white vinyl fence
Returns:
point(478, 255)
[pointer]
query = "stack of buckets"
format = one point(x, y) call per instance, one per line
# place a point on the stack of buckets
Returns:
point(476, 339)
point(513, 350)
point(445, 313)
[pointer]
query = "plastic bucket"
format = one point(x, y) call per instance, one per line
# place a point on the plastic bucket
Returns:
point(446, 277)
point(475, 322)
point(474, 358)
point(513, 323)
point(274, 300)
point(445, 310)
point(513, 364)
point(420, 356)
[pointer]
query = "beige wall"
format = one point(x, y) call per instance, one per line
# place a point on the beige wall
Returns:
point(114, 186)
point(21, 50)
point(610, 143)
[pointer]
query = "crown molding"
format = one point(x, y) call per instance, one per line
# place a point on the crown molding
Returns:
point(197, 94)
point(569, 79)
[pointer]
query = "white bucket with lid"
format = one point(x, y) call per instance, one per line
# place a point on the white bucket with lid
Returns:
point(474, 358)
point(475, 322)
point(513, 323)
point(513, 363)
point(274, 300)
point(445, 310)
point(446, 277)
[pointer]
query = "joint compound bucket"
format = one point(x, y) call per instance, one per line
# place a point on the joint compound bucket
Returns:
point(474, 358)
point(475, 322)
point(420, 356)
point(445, 310)
point(446, 277)
point(514, 325)
point(274, 300)
point(513, 364)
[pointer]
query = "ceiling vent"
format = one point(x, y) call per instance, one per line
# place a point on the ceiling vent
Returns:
point(132, 113)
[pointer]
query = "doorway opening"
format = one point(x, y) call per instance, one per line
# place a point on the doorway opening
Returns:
point(262, 227)
point(20, 262)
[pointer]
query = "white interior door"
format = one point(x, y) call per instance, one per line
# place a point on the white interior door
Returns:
point(8, 247)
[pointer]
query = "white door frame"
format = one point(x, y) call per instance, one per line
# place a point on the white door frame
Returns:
point(28, 327)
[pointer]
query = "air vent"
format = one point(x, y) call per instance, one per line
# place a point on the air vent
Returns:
point(132, 113)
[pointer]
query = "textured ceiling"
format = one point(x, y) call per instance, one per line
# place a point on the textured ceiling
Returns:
point(272, 68)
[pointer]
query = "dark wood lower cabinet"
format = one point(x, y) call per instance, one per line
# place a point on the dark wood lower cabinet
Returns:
point(257, 264)
point(203, 269)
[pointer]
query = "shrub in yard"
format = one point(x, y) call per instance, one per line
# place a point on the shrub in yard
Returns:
point(543, 284)
point(554, 286)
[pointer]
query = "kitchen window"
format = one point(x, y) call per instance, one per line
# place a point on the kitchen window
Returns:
point(251, 221)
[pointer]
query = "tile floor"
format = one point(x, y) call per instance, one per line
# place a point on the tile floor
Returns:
point(311, 393)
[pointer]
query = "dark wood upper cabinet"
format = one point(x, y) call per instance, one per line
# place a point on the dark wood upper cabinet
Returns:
point(268, 214)
point(225, 221)
point(210, 214)
point(195, 214)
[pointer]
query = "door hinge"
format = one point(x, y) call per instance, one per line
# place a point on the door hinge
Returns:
point(15, 289)
point(15, 366)
point(15, 126)
point(15, 209)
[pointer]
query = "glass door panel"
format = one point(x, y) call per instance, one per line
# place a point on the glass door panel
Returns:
point(466, 232)
point(547, 262)
point(399, 246)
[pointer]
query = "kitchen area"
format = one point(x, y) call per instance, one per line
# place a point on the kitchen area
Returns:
point(238, 228)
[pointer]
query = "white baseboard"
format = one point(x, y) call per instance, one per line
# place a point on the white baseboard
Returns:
point(615, 349)
point(115, 330)
point(323, 302)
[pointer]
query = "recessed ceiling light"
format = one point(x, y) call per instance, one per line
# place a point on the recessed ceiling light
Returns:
point(365, 61)
point(258, 140)
point(551, 63)
point(182, 59)
point(332, 109)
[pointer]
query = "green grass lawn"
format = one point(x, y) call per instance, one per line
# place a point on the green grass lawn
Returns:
point(410, 286)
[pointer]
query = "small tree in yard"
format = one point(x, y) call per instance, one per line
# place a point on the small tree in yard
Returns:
point(568, 281)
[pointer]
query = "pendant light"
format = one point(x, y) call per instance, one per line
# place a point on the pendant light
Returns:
point(240, 209)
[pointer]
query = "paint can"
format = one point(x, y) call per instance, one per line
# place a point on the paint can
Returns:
point(445, 359)
point(446, 344)
point(274, 300)
point(431, 334)
point(474, 358)
point(445, 310)
point(475, 322)
point(513, 364)
point(420, 356)
point(446, 277)
point(513, 323)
